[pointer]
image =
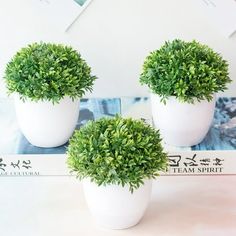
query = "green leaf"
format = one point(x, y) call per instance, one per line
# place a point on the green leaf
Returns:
point(187, 70)
point(116, 151)
point(47, 71)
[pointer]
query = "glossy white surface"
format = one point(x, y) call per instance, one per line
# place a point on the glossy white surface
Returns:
point(43, 206)
point(181, 123)
point(114, 206)
point(114, 36)
point(45, 124)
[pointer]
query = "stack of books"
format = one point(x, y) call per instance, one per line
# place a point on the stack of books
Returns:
point(215, 155)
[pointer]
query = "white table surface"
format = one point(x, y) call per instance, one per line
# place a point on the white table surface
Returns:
point(180, 205)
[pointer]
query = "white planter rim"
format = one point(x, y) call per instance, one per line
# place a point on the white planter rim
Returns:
point(176, 99)
point(47, 124)
point(22, 98)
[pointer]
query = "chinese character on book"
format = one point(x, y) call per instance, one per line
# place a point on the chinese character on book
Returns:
point(16, 165)
point(205, 162)
point(2, 165)
point(26, 164)
point(218, 162)
point(174, 160)
point(191, 161)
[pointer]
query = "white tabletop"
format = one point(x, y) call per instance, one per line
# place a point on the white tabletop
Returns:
point(180, 205)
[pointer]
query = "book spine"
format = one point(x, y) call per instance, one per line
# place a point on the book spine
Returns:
point(180, 163)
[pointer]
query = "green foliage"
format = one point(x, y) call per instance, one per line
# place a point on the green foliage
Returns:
point(186, 70)
point(46, 71)
point(116, 151)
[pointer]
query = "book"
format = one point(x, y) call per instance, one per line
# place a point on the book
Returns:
point(214, 155)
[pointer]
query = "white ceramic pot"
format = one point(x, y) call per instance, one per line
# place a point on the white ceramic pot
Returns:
point(45, 124)
point(180, 123)
point(114, 206)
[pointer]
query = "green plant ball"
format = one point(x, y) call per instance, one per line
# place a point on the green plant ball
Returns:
point(116, 151)
point(188, 71)
point(47, 71)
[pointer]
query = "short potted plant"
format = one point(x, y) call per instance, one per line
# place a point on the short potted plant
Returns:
point(116, 158)
point(47, 81)
point(183, 78)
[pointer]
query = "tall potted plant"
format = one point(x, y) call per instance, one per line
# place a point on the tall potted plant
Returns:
point(183, 78)
point(116, 158)
point(47, 81)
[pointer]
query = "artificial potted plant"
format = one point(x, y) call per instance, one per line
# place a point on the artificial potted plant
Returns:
point(183, 78)
point(116, 158)
point(47, 81)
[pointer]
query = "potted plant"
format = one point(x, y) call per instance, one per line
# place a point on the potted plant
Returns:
point(183, 78)
point(116, 158)
point(47, 81)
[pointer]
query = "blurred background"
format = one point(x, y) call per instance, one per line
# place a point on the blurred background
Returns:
point(114, 36)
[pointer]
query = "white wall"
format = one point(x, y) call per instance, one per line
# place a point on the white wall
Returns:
point(114, 36)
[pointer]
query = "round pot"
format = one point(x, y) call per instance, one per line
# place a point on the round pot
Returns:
point(45, 124)
point(114, 206)
point(181, 123)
